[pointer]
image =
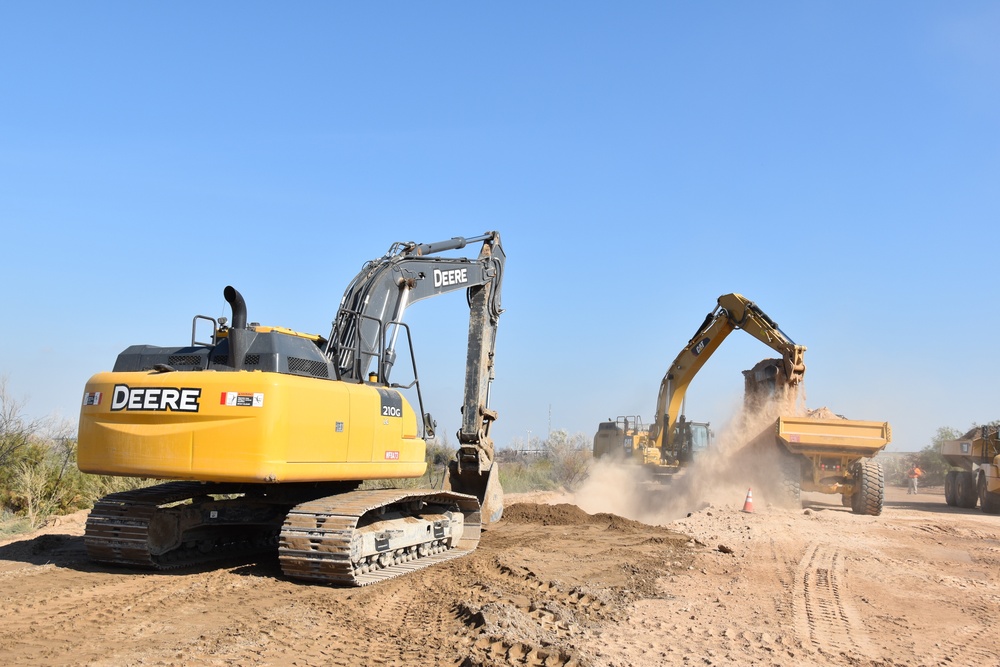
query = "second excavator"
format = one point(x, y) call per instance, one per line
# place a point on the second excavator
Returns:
point(732, 312)
point(672, 441)
point(808, 453)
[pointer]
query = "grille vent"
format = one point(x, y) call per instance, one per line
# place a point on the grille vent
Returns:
point(184, 360)
point(307, 367)
point(220, 360)
point(251, 360)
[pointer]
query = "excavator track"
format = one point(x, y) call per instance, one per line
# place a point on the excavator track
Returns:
point(363, 537)
point(146, 527)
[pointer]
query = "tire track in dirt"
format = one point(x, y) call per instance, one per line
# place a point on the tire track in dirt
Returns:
point(969, 647)
point(824, 617)
point(526, 620)
point(78, 612)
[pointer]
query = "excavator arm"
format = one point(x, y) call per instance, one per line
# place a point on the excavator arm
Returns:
point(733, 311)
point(365, 332)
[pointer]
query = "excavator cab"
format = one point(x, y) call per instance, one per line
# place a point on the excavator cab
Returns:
point(690, 439)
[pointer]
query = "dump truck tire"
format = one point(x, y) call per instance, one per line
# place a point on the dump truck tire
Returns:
point(966, 492)
point(870, 485)
point(950, 496)
point(988, 501)
point(962, 481)
point(791, 480)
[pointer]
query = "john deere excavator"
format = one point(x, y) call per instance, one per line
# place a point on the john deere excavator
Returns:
point(273, 431)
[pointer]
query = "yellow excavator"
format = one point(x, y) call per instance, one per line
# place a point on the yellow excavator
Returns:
point(270, 433)
point(671, 440)
point(669, 434)
point(626, 438)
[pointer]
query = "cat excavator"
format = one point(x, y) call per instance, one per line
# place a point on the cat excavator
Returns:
point(269, 433)
point(669, 433)
point(671, 441)
point(806, 453)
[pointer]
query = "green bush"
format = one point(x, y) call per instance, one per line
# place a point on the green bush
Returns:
point(12, 524)
point(527, 475)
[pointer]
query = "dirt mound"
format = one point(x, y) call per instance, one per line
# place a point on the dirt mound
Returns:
point(549, 515)
point(570, 515)
point(823, 413)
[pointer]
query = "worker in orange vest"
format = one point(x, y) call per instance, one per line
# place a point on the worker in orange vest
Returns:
point(914, 475)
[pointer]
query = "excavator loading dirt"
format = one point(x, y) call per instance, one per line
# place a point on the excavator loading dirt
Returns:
point(818, 451)
point(732, 312)
point(800, 452)
point(272, 432)
point(671, 441)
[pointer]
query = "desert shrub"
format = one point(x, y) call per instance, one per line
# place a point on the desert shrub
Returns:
point(17, 432)
point(12, 524)
point(44, 480)
point(561, 461)
point(439, 456)
point(570, 457)
point(521, 476)
point(94, 487)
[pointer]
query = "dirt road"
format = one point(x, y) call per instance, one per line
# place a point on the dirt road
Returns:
point(550, 585)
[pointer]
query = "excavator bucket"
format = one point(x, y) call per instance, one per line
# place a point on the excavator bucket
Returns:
point(483, 485)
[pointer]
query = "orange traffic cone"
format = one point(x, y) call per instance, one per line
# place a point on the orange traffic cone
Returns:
point(748, 503)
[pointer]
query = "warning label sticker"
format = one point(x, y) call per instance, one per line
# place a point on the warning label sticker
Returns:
point(243, 399)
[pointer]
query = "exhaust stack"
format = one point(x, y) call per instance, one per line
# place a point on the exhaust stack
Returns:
point(239, 336)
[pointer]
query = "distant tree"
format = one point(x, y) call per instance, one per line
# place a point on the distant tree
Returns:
point(16, 430)
point(570, 456)
point(45, 480)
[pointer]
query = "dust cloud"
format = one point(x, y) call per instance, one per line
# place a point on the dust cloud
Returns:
point(744, 456)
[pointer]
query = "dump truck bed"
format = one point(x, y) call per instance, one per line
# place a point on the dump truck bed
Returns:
point(971, 450)
point(833, 437)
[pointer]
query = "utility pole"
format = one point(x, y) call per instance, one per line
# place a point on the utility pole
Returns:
point(550, 420)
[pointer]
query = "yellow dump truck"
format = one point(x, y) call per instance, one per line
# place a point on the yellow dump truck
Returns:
point(821, 452)
point(829, 456)
point(976, 477)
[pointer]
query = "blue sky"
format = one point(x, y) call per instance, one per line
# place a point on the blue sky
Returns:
point(838, 163)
